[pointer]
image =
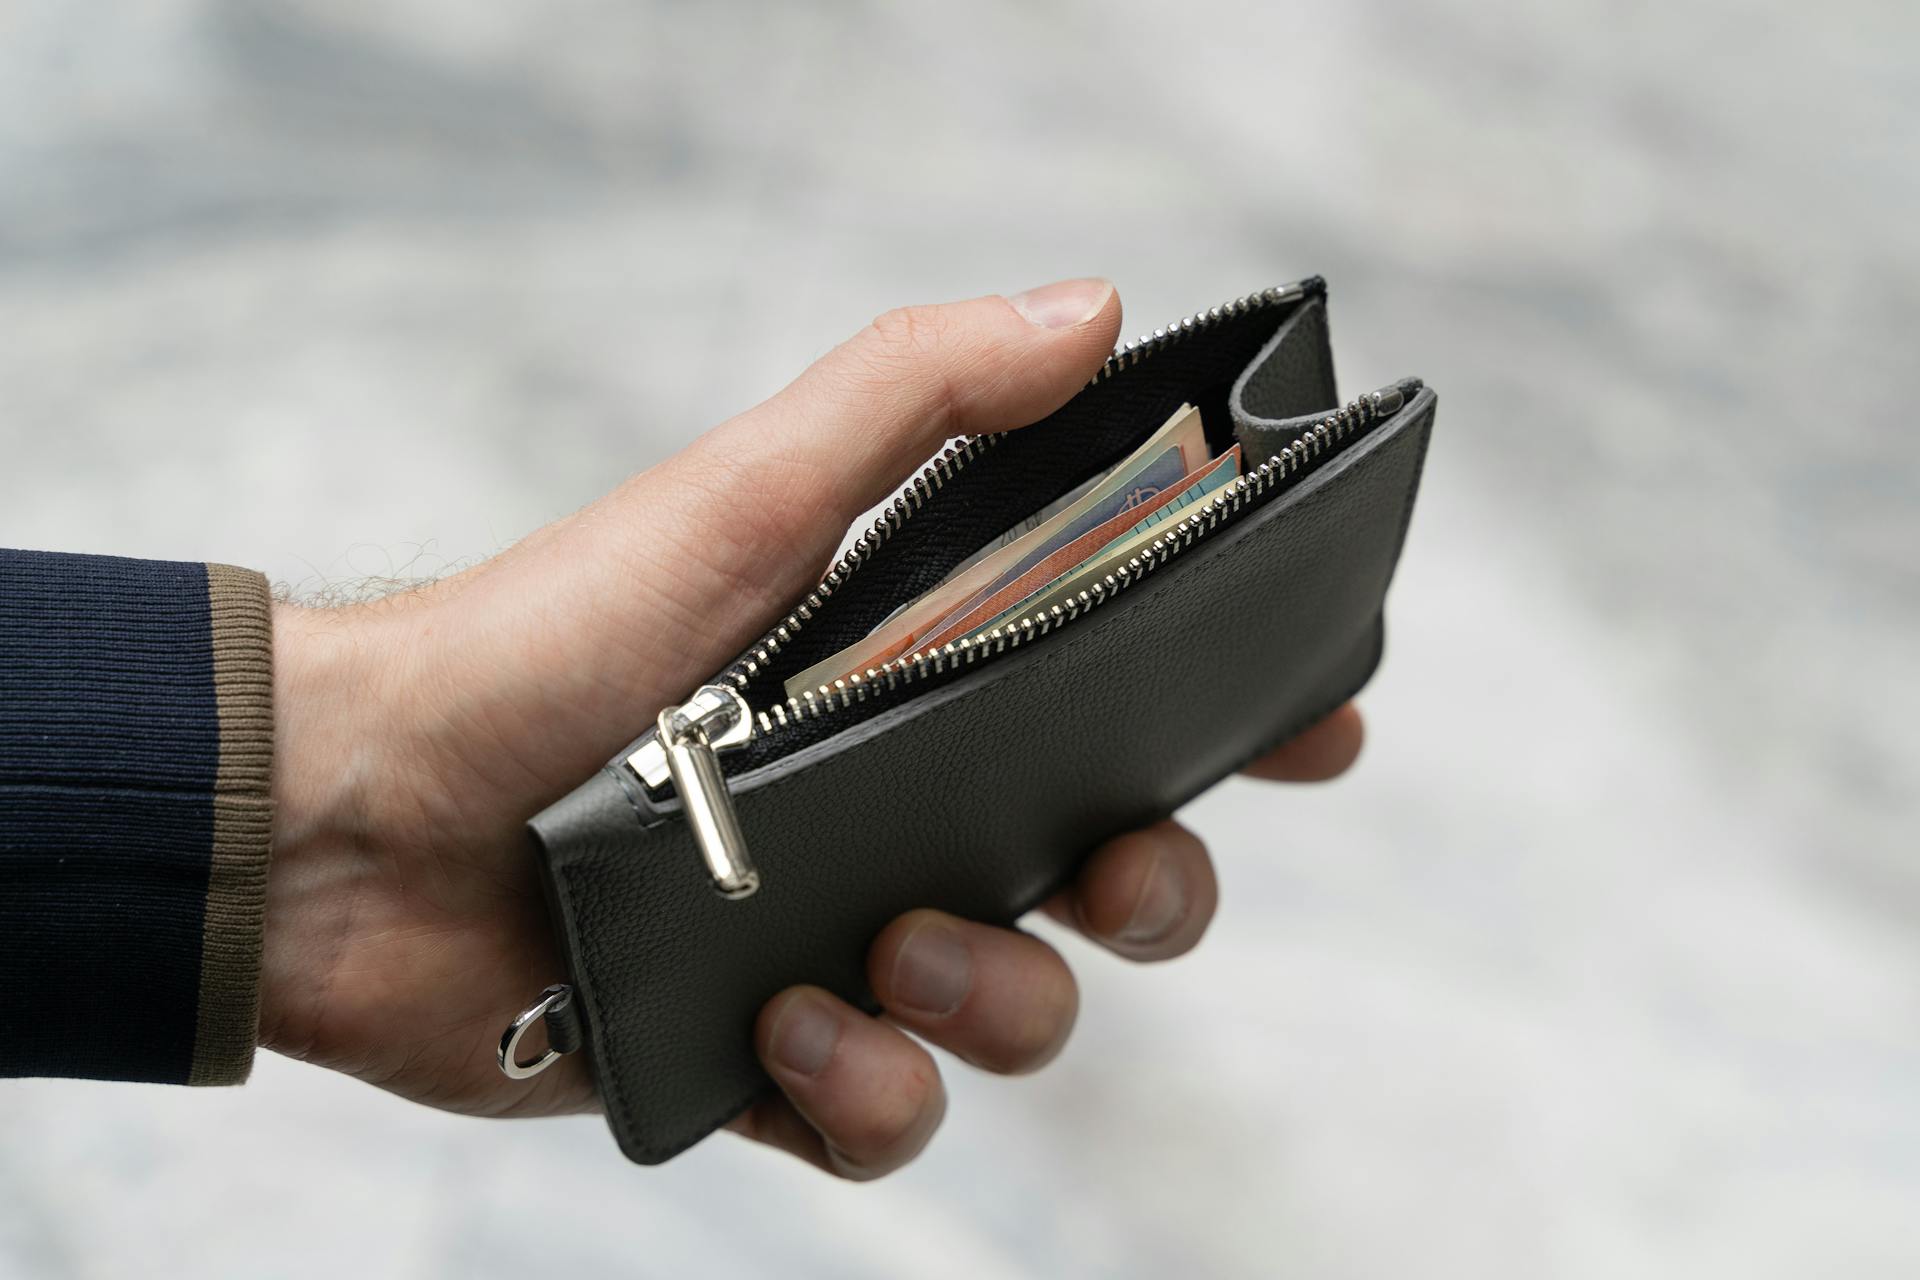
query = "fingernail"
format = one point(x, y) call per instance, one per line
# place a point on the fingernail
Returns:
point(806, 1035)
point(1161, 908)
point(932, 972)
point(1063, 305)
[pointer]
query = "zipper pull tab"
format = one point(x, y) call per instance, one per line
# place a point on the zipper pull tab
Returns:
point(685, 748)
point(1390, 398)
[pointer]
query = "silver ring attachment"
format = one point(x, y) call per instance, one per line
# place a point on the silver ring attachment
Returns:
point(554, 997)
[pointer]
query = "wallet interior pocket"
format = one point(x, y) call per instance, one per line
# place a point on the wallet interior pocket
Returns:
point(980, 487)
point(1259, 369)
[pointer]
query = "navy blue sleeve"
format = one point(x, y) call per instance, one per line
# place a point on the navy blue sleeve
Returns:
point(136, 741)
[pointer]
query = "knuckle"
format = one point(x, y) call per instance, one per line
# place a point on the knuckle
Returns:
point(907, 332)
point(905, 376)
point(906, 350)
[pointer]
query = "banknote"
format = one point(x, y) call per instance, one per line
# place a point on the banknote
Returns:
point(1160, 465)
point(1007, 595)
point(1200, 486)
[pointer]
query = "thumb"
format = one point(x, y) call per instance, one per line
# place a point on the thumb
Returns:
point(764, 499)
point(760, 503)
point(845, 434)
point(629, 603)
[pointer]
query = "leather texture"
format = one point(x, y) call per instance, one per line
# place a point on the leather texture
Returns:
point(981, 794)
point(1289, 384)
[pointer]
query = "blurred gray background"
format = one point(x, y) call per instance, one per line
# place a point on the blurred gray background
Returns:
point(1605, 962)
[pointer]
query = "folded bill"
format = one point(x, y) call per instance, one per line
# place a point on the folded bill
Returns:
point(1009, 596)
point(1211, 479)
point(1160, 474)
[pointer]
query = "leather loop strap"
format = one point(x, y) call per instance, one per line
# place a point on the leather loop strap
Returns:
point(564, 1032)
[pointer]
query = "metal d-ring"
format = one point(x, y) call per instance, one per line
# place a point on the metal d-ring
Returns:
point(554, 997)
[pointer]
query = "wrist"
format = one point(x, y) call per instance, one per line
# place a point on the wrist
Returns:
point(319, 777)
point(323, 783)
point(403, 915)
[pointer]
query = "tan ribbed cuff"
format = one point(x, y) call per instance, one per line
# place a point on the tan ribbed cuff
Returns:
point(229, 1015)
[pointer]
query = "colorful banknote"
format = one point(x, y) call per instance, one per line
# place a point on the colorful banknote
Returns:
point(1154, 476)
point(1200, 486)
point(1006, 597)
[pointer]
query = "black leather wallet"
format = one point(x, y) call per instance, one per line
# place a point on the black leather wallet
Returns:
point(750, 841)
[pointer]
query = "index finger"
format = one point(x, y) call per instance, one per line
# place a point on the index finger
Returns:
point(1323, 751)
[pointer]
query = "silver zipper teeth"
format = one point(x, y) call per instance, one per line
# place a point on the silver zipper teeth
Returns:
point(929, 482)
point(1217, 510)
point(964, 450)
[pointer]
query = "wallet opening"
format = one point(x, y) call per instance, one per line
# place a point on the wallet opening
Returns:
point(1026, 470)
point(1261, 372)
point(1283, 451)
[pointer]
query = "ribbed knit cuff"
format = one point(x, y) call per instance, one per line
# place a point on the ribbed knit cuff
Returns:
point(240, 618)
point(136, 745)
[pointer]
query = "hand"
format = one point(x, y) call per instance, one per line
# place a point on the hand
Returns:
point(416, 734)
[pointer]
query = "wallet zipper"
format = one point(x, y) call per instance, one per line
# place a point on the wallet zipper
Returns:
point(688, 739)
point(955, 457)
point(1246, 490)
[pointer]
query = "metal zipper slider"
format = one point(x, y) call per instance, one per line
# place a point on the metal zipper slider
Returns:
point(685, 748)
